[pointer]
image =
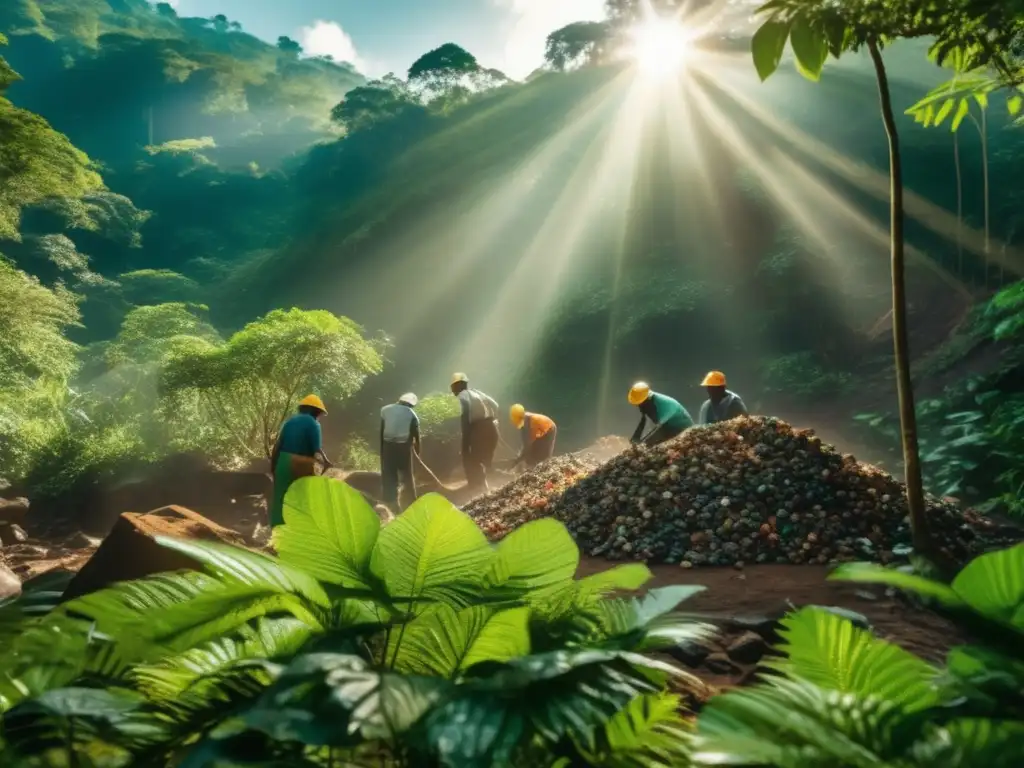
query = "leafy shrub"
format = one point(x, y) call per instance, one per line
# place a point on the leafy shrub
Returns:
point(356, 454)
point(801, 374)
point(249, 385)
point(421, 644)
point(418, 643)
point(434, 410)
point(851, 699)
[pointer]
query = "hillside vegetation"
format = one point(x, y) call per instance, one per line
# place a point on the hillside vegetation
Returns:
point(227, 178)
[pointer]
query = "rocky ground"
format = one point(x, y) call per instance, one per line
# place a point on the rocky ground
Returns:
point(753, 490)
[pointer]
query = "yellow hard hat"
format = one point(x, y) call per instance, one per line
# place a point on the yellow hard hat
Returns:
point(518, 415)
point(639, 393)
point(714, 379)
point(314, 402)
point(457, 377)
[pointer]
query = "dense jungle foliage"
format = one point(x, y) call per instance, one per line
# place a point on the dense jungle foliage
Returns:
point(421, 644)
point(173, 244)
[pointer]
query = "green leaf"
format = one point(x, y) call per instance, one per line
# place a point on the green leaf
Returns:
point(175, 612)
point(85, 719)
point(993, 585)
point(789, 722)
point(537, 556)
point(829, 651)
point(810, 47)
point(1014, 103)
point(982, 98)
point(551, 696)
point(836, 33)
point(944, 110)
point(432, 551)
point(767, 46)
point(246, 567)
point(326, 699)
point(875, 574)
point(648, 733)
point(961, 112)
point(170, 678)
point(329, 531)
point(446, 642)
point(970, 742)
point(648, 623)
point(628, 576)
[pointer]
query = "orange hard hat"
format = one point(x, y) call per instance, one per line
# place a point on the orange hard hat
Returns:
point(714, 379)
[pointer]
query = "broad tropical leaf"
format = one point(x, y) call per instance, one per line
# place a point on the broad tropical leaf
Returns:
point(535, 557)
point(270, 639)
point(248, 568)
point(832, 653)
point(499, 708)
point(993, 585)
point(994, 678)
point(628, 576)
point(647, 733)
point(794, 724)
point(329, 531)
point(446, 642)
point(876, 574)
point(39, 596)
point(328, 699)
point(81, 720)
point(174, 612)
point(432, 552)
point(647, 623)
point(971, 742)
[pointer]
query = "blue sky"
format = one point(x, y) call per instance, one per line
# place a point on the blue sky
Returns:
point(380, 36)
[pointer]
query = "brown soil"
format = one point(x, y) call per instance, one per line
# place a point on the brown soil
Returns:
point(762, 592)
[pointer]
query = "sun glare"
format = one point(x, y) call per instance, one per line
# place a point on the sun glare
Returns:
point(659, 46)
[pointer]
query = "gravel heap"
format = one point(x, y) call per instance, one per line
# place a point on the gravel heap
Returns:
point(529, 496)
point(750, 490)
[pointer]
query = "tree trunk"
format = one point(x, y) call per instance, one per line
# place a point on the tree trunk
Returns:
point(983, 127)
point(959, 208)
point(921, 534)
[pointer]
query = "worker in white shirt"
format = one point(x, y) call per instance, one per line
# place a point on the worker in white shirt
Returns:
point(399, 437)
point(479, 430)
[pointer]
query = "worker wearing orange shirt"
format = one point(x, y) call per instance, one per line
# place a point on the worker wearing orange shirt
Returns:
point(538, 436)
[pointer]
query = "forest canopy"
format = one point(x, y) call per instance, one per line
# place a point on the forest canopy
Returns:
point(228, 179)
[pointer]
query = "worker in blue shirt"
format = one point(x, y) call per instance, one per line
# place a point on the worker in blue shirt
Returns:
point(298, 446)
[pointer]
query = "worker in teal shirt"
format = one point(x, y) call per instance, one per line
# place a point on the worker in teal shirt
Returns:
point(669, 416)
point(298, 446)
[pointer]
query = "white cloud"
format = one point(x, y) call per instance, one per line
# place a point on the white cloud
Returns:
point(531, 21)
point(327, 38)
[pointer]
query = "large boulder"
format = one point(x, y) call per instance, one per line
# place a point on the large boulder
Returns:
point(13, 511)
point(10, 584)
point(130, 550)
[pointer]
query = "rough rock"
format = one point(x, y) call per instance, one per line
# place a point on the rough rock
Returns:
point(10, 584)
point(748, 648)
point(530, 496)
point(721, 664)
point(130, 550)
point(13, 511)
point(12, 534)
point(751, 490)
point(691, 653)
